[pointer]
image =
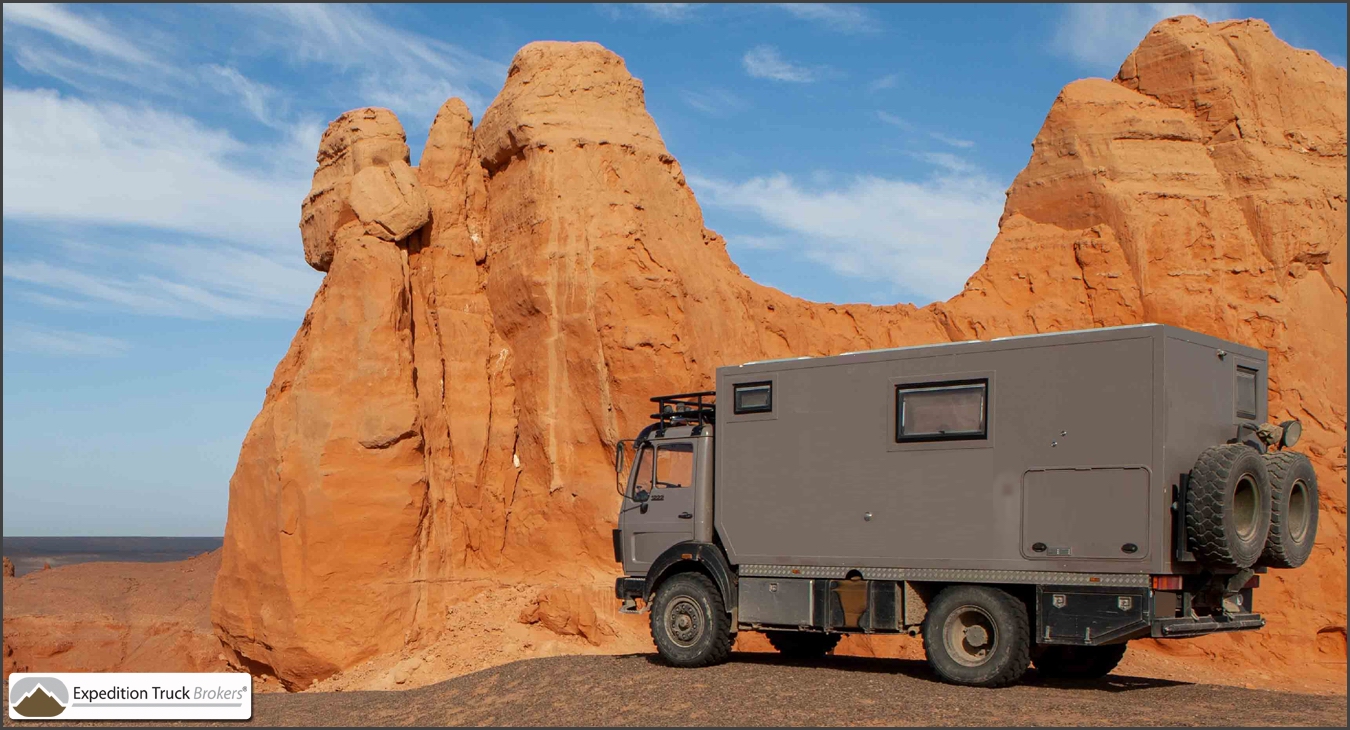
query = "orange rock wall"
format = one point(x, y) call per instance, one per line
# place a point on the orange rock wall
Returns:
point(448, 409)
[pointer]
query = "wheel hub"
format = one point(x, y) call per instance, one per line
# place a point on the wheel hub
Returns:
point(970, 636)
point(684, 621)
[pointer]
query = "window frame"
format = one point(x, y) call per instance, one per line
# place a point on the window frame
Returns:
point(898, 405)
point(635, 478)
point(1237, 393)
point(736, 388)
point(677, 446)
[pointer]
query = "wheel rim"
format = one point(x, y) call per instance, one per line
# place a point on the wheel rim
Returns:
point(1245, 497)
point(1299, 512)
point(970, 636)
point(684, 621)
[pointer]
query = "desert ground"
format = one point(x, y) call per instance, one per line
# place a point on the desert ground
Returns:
point(156, 616)
point(756, 689)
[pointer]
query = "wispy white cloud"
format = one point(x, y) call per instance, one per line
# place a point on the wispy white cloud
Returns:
point(200, 280)
point(964, 144)
point(408, 72)
point(841, 17)
point(70, 160)
point(672, 12)
point(88, 73)
point(83, 32)
point(895, 121)
point(716, 102)
point(30, 339)
point(261, 100)
point(758, 242)
point(900, 123)
point(765, 62)
point(1103, 34)
point(922, 236)
point(885, 82)
point(949, 162)
point(235, 250)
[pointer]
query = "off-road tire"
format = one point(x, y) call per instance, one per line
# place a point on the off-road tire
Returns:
point(1010, 654)
point(803, 645)
point(1228, 507)
point(1293, 517)
point(1076, 662)
point(695, 597)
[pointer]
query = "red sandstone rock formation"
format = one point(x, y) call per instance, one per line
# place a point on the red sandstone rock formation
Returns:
point(448, 408)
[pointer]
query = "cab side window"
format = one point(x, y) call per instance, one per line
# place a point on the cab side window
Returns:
point(645, 470)
point(674, 466)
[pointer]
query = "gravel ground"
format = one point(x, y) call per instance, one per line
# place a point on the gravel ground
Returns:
point(764, 689)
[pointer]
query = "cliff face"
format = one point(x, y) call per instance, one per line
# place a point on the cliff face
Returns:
point(493, 320)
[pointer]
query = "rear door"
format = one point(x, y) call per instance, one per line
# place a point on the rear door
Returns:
point(665, 471)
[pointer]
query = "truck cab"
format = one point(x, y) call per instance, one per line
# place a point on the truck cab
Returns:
point(1029, 500)
point(668, 495)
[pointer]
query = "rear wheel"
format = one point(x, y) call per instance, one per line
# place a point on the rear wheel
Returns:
point(1293, 510)
point(802, 645)
point(1077, 662)
point(1228, 507)
point(689, 622)
point(977, 636)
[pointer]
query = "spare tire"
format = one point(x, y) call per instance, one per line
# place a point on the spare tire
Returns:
point(1228, 507)
point(1293, 510)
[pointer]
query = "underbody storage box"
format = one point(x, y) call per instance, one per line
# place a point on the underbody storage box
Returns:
point(1091, 615)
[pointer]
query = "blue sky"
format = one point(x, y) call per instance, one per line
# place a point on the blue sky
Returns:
point(155, 158)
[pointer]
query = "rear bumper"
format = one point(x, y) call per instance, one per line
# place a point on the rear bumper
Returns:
point(1173, 628)
point(629, 587)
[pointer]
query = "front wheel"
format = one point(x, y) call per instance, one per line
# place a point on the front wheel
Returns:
point(977, 636)
point(689, 622)
point(1077, 662)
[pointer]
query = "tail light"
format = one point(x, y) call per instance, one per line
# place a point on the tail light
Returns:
point(1166, 582)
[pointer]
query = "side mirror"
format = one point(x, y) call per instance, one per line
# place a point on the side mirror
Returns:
point(618, 458)
point(641, 495)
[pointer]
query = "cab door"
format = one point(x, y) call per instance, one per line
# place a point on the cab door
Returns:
point(658, 508)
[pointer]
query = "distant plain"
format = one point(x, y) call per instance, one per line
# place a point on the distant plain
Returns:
point(31, 553)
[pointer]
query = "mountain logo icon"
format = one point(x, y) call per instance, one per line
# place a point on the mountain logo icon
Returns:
point(39, 697)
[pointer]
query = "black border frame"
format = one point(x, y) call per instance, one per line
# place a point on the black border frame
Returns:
point(984, 412)
point(736, 404)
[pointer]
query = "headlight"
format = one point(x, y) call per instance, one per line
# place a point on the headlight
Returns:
point(1292, 431)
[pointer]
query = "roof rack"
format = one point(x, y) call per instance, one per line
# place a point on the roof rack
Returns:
point(683, 409)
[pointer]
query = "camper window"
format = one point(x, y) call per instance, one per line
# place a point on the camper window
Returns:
point(753, 398)
point(941, 411)
point(1246, 393)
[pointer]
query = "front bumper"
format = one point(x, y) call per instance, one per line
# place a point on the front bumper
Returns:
point(627, 587)
point(1173, 628)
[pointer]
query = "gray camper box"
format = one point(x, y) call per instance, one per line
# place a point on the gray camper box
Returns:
point(1040, 499)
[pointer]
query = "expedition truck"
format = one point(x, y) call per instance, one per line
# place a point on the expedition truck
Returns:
point(1027, 500)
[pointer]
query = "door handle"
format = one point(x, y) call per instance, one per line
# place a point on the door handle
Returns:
point(686, 515)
